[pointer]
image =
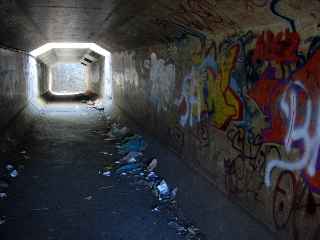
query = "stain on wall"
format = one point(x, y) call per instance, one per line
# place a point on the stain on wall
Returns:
point(242, 108)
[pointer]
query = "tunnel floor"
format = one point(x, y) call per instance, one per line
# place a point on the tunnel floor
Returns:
point(60, 195)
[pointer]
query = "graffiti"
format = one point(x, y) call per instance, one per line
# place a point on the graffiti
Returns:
point(302, 114)
point(248, 164)
point(271, 54)
point(201, 134)
point(187, 101)
point(273, 8)
point(266, 93)
point(176, 139)
point(281, 47)
point(259, 95)
point(311, 143)
point(162, 77)
point(222, 99)
point(293, 199)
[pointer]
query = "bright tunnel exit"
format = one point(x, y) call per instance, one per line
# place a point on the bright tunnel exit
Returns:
point(72, 69)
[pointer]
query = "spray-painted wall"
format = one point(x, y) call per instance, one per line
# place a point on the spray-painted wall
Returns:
point(243, 109)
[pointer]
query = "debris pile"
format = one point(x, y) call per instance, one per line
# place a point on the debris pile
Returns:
point(134, 164)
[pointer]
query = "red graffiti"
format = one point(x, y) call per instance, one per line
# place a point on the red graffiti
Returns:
point(281, 47)
point(269, 90)
point(266, 94)
point(309, 75)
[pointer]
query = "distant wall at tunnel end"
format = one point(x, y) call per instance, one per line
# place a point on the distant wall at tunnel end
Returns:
point(242, 109)
point(68, 77)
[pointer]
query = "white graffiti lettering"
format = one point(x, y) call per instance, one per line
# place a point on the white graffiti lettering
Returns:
point(311, 142)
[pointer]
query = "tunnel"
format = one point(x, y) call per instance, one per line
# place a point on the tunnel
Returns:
point(163, 120)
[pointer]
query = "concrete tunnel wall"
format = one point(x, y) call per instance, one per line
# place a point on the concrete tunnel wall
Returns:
point(241, 109)
point(18, 72)
point(96, 76)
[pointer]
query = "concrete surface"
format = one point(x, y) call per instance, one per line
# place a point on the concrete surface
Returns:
point(123, 24)
point(48, 199)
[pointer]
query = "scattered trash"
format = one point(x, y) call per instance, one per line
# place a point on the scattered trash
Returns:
point(23, 152)
point(98, 105)
point(136, 144)
point(163, 190)
point(14, 173)
point(131, 155)
point(134, 165)
point(152, 177)
point(3, 195)
point(107, 173)
point(88, 198)
point(106, 153)
point(132, 160)
point(117, 133)
point(2, 220)
point(129, 168)
point(152, 165)
point(156, 209)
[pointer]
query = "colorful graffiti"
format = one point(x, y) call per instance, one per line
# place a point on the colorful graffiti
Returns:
point(298, 132)
point(302, 113)
point(213, 89)
point(281, 47)
point(162, 77)
point(259, 94)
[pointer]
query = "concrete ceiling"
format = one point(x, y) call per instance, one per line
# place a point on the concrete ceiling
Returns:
point(119, 24)
point(63, 56)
